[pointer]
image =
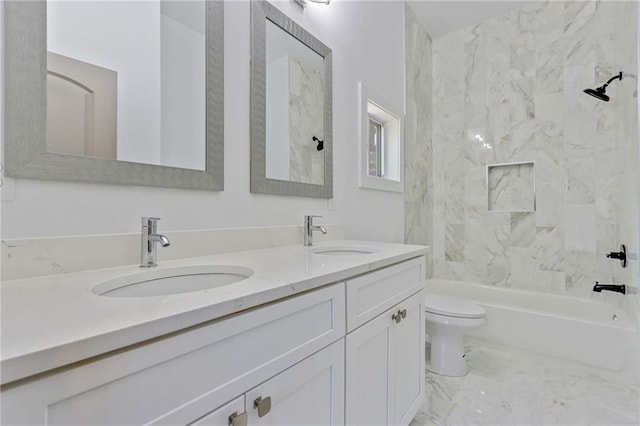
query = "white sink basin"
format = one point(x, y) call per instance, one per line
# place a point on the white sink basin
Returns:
point(343, 250)
point(162, 282)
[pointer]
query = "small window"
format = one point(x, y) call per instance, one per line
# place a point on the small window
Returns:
point(381, 159)
point(376, 151)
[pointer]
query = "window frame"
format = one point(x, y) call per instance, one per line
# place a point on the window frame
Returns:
point(389, 116)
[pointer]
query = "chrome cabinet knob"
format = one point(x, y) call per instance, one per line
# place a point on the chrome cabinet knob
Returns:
point(263, 405)
point(399, 316)
point(238, 419)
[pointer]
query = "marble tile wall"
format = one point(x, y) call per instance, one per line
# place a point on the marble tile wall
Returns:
point(418, 156)
point(510, 90)
point(629, 215)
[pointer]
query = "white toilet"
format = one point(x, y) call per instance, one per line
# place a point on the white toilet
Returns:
point(447, 320)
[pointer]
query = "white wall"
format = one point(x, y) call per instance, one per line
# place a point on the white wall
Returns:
point(637, 180)
point(4, 188)
point(367, 43)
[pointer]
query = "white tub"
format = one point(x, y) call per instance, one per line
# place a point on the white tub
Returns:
point(570, 328)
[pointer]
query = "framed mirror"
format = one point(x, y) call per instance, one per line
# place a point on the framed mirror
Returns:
point(115, 92)
point(291, 107)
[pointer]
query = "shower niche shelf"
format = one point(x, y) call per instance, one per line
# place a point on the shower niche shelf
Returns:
point(511, 187)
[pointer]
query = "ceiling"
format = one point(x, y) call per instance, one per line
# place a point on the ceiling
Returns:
point(441, 17)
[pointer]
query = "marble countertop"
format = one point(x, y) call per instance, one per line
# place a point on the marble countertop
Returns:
point(52, 321)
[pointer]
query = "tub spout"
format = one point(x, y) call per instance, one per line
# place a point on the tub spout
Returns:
point(621, 288)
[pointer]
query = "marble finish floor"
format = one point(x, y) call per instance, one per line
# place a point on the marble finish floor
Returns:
point(503, 388)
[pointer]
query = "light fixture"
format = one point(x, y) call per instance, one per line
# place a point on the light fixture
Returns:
point(303, 3)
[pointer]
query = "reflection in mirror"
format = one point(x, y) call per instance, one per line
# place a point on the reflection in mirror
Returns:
point(291, 107)
point(294, 109)
point(126, 81)
point(81, 108)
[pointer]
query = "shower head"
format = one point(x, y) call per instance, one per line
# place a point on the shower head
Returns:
point(600, 92)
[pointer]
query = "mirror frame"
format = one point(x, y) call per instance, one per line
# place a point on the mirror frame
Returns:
point(25, 135)
point(260, 183)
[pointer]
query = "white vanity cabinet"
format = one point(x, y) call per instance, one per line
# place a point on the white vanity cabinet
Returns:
point(346, 353)
point(385, 346)
point(182, 378)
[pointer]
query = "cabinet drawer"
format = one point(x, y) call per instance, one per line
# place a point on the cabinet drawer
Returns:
point(179, 379)
point(370, 295)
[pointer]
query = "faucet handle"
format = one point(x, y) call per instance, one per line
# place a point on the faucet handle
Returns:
point(308, 219)
point(149, 221)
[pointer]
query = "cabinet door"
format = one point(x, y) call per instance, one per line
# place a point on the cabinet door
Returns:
point(309, 393)
point(222, 416)
point(408, 360)
point(385, 366)
point(368, 363)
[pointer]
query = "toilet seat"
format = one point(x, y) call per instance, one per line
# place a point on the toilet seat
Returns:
point(452, 307)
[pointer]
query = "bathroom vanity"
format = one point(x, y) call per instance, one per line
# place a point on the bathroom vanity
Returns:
point(328, 335)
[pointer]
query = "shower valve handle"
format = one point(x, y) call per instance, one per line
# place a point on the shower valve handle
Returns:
point(619, 255)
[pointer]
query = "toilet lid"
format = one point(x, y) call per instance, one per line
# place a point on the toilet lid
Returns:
point(452, 307)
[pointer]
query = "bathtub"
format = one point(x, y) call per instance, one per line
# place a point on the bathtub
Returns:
point(569, 328)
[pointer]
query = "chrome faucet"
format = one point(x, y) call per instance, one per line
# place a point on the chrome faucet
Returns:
point(150, 237)
point(309, 227)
